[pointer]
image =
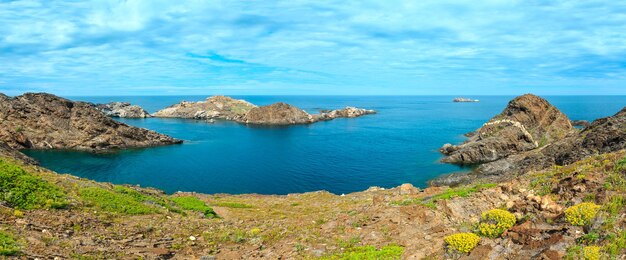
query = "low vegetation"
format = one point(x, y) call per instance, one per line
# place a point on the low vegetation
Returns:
point(390, 252)
point(194, 204)
point(115, 202)
point(494, 222)
point(8, 246)
point(21, 190)
point(462, 242)
point(460, 192)
point(581, 214)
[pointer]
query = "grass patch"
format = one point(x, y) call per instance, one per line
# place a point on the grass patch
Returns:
point(22, 190)
point(118, 201)
point(446, 195)
point(195, 204)
point(235, 205)
point(369, 252)
point(8, 246)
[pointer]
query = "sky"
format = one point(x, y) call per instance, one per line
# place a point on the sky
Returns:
point(313, 47)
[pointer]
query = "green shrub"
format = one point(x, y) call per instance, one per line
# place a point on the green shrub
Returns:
point(462, 242)
point(581, 214)
point(111, 201)
point(390, 252)
point(494, 222)
point(591, 253)
point(616, 244)
point(235, 205)
point(21, 190)
point(8, 246)
point(195, 204)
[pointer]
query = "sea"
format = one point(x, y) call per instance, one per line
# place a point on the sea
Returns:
point(397, 145)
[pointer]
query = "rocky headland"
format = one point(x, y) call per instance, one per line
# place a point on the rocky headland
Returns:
point(531, 134)
point(44, 121)
point(123, 109)
point(227, 108)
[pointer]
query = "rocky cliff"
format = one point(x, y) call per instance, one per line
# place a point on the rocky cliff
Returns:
point(123, 109)
point(44, 121)
point(528, 122)
point(216, 107)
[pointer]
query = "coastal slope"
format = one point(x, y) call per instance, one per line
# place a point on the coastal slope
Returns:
point(45, 121)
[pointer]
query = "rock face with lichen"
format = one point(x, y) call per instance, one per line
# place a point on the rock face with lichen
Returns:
point(123, 109)
point(45, 121)
point(216, 107)
point(528, 122)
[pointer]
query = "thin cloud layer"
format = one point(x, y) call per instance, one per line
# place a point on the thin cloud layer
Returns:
point(312, 47)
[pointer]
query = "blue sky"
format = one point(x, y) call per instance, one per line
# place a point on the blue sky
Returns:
point(313, 47)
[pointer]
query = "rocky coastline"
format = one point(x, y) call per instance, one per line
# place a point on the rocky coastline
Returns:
point(546, 171)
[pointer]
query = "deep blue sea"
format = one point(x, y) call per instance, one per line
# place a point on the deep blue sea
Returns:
point(397, 145)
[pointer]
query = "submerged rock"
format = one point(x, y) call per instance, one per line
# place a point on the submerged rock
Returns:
point(123, 109)
point(45, 121)
point(528, 122)
point(216, 107)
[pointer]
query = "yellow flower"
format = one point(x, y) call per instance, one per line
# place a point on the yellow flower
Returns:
point(581, 214)
point(462, 242)
point(591, 253)
point(494, 222)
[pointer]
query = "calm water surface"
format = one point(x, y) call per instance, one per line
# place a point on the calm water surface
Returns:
point(395, 146)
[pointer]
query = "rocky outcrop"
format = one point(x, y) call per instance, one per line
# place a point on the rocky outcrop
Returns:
point(277, 114)
point(528, 122)
point(347, 112)
point(285, 114)
point(45, 121)
point(604, 135)
point(8, 152)
point(123, 109)
point(216, 107)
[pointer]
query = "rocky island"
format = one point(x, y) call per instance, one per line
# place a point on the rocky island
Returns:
point(44, 121)
point(542, 190)
point(123, 109)
point(227, 108)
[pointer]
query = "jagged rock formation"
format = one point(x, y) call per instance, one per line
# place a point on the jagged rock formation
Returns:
point(123, 109)
point(285, 114)
point(45, 121)
point(528, 122)
point(216, 107)
point(604, 135)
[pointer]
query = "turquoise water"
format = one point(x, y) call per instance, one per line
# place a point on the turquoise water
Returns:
point(395, 146)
